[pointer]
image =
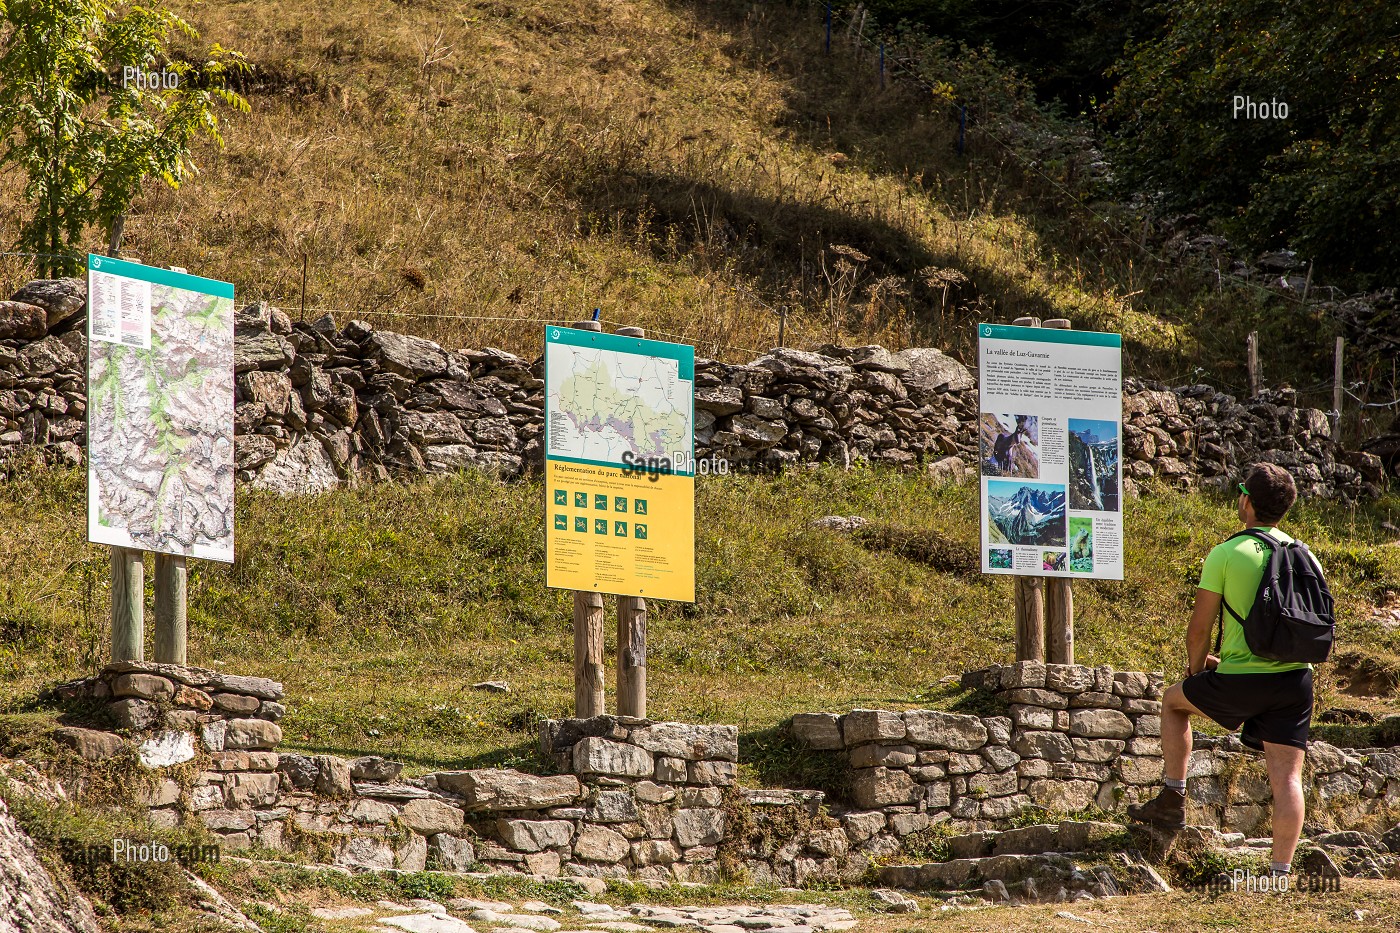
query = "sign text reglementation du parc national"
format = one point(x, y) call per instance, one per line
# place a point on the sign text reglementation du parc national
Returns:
point(160, 410)
point(1050, 444)
point(619, 465)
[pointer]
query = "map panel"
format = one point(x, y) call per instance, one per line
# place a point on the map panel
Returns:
point(160, 422)
point(618, 407)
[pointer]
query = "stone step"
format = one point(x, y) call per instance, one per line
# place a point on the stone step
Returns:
point(1048, 877)
point(1066, 836)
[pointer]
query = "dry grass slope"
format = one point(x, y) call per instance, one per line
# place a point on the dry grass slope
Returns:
point(466, 169)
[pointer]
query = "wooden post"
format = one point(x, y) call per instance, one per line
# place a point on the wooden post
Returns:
point(1030, 619)
point(1030, 593)
point(128, 605)
point(1059, 592)
point(1253, 353)
point(588, 655)
point(1337, 392)
point(588, 632)
point(171, 588)
point(631, 634)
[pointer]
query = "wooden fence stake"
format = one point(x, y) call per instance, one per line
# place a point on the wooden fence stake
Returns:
point(128, 605)
point(1337, 392)
point(171, 628)
point(631, 634)
point(1252, 346)
point(588, 632)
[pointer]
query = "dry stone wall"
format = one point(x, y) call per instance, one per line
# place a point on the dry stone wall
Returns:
point(1073, 738)
point(320, 404)
point(661, 801)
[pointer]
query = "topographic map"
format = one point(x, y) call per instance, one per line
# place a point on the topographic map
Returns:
point(605, 403)
point(160, 427)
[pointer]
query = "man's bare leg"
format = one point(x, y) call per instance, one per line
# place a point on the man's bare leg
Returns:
point(1168, 809)
point(1176, 732)
point(1285, 764)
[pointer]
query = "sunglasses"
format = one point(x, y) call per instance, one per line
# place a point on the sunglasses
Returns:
point(1243, 490)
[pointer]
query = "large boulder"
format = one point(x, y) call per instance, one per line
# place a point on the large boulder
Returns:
point(411, 357)
point(931, 371)
point(61, 299)
point(21, 321)
point(30, 900)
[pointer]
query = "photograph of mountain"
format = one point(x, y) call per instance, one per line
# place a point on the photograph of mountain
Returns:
point(1026, 513)
point(1010, 445)
point(1093, 465)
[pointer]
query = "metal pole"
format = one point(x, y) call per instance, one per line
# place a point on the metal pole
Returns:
point(631, 634)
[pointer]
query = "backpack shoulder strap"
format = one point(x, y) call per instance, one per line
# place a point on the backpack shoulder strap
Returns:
point(1268, 540)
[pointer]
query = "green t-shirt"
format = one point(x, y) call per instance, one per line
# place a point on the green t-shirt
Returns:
point(1234, 569)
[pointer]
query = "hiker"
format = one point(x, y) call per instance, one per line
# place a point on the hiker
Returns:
point(1272, 700)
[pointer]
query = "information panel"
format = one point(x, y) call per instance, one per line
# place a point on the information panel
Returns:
point(1050, 445)
point(160, 410)
point(619, 465)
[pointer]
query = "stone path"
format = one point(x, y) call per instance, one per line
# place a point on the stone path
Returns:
point(467, 915)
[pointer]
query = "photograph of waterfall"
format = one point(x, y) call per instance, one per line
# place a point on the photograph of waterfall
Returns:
point(1093, 465)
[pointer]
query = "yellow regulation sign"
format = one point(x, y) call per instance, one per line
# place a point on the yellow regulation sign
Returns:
point(619, 465)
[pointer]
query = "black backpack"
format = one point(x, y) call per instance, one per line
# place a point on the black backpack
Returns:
point(1291, 619)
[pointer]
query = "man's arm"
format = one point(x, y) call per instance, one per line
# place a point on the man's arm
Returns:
point(1198, 632)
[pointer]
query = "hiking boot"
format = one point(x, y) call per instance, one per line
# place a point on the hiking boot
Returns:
point(1165, 811)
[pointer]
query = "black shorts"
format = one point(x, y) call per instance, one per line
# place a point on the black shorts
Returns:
point(1272, 707)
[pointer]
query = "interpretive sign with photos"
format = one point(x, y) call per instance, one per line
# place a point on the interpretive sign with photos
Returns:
point(1050, 445)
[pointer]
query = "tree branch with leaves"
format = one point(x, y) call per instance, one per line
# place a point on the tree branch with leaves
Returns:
point(86, 138)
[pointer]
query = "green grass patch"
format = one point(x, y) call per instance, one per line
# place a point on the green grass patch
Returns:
point(379, 607)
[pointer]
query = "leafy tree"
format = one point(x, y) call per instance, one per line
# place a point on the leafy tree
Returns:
point(1325, 179)
point(86, 134)
point(1065, 47)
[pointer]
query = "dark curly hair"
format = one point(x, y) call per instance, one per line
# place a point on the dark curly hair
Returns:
point(1271, 490)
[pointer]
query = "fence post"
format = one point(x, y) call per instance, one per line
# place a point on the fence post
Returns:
point(1059, 593)
point(1337, 391)
point(128, 605)
point(1252, 351)
point(631, 633)
point(1030, 591)
point(171, 614)
point(588, 632)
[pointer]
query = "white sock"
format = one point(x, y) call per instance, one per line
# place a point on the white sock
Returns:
point(1174, 784)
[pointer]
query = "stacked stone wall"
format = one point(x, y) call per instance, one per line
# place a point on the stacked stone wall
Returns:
point(320, 404)
point(661, 801)
point(1072, 739)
